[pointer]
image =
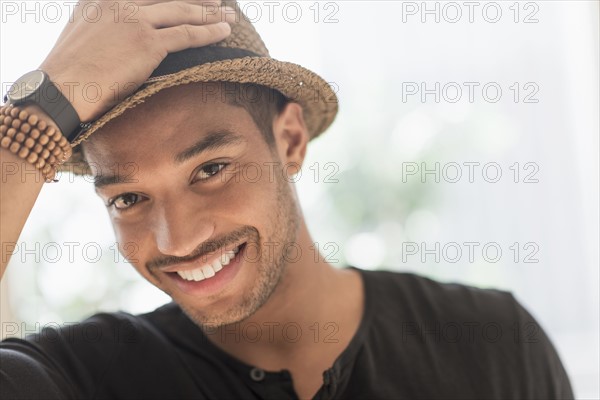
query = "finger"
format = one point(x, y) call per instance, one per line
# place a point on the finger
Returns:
point(164, 15)
point(183, 37)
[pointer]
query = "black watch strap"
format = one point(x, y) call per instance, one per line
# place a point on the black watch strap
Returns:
point(59, 108)
point(50, 99)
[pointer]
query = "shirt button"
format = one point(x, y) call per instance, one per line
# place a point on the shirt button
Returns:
point(257, 374)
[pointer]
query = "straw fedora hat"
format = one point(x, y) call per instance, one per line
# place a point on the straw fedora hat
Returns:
point(243, 58)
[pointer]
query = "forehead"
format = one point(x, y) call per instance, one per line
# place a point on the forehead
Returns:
point(167, 122)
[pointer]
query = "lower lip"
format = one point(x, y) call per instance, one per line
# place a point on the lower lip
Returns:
point(214, 285)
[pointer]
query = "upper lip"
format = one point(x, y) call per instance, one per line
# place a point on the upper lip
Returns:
point(197, 262)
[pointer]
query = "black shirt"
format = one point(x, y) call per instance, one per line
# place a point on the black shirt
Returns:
point(418, 339)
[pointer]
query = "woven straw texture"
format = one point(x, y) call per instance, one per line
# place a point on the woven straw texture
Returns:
point(314, 94)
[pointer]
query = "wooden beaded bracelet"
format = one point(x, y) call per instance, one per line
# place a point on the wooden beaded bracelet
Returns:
point(32, 139)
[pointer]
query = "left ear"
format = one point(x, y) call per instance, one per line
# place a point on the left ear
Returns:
point(291, 137)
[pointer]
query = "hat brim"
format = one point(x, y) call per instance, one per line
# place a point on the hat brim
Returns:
point(315, 95)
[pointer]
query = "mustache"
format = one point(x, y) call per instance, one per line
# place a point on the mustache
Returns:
point(206, 248)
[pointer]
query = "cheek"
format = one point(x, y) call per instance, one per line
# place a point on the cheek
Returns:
point(250, 197)
point(134, 244)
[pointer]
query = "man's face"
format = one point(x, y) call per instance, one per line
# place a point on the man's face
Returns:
point(193, 191)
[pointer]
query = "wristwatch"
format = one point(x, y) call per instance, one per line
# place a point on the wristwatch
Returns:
point(37, 88)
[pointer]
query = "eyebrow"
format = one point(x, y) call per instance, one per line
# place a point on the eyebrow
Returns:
point(212, 141)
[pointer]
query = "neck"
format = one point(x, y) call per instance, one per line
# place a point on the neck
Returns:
point(313, 302)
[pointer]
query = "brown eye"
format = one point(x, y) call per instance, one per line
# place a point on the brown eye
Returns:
point(125, 201)
point(209, 170)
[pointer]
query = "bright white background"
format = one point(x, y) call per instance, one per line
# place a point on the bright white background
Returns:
point(373, 51)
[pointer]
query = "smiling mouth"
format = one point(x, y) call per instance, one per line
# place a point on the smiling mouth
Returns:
point(209, 270)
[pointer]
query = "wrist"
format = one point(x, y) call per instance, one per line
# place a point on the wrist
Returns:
point(30, 134)
point(72, 91)
point(37, 87)
point(72, 87)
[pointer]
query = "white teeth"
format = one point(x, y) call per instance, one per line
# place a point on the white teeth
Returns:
point(224, 260)
point(198, 274)
point(208, 271)
point(217, 266)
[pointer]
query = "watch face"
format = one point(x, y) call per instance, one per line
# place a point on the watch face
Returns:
point(25, 86)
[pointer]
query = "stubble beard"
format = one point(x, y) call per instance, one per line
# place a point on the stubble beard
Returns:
point(270, 267)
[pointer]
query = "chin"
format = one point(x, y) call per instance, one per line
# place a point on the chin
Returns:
point(237, 307)
point(231, 314)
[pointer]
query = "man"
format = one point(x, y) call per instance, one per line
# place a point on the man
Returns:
point(255, 313)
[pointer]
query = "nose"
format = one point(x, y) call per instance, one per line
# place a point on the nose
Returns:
point(180, 228)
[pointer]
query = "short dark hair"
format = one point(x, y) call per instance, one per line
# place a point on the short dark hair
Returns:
point(261, 102)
